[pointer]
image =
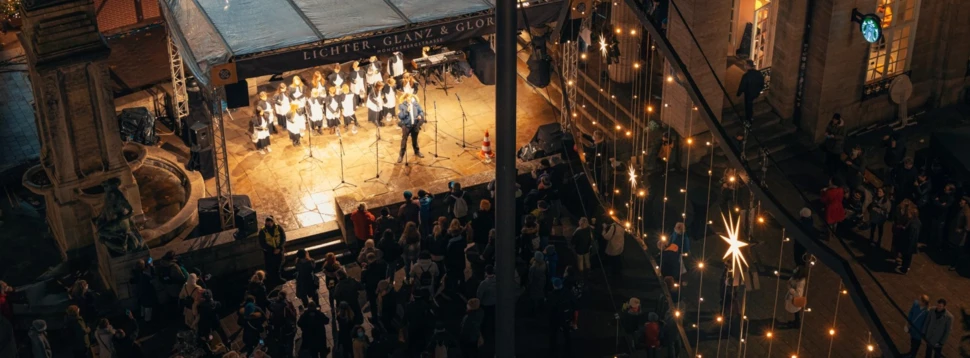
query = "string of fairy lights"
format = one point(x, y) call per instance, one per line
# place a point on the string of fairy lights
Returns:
point(734, 301)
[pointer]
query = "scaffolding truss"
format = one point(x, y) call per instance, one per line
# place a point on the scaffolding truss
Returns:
point(180, 97)
point(221, 160)
point(570, 71)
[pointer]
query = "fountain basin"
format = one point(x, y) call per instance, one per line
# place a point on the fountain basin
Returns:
point(169, 196)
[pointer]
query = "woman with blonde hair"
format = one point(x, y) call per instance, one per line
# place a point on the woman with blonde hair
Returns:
point(281, 102)
point(348, 108)
point(411, 241)
point(390, 101)
point(189, 298)
point(375, 104)
point(318, 82)
point(408, 84)
point(298, 93)
point(266, 105)
point(316, 103)
point(295, 124)
point(332, 107)
point(337, 77)
point(257, 288)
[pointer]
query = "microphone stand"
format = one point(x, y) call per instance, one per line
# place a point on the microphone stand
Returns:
point(343, 183)
point(437, 158)
point(377, 158)
point(309, 140)
point(464, 121)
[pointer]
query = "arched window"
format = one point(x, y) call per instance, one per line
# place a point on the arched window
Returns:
point(890, 55)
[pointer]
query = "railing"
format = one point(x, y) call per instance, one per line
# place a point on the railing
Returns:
point(879, 87)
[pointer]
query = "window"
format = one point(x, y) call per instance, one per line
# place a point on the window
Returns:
point(890, 55)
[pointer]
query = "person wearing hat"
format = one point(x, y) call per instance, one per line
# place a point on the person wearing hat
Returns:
point(752, 83)
point(410, 210)
point(313, 324)
point(251, 318)
point(272, 239)
point(39, 346)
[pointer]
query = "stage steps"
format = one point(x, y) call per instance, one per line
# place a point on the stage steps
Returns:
point(318, 240)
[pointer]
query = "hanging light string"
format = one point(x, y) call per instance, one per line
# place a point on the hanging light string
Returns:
point(801, 326)
point(835, 317)
point(728, 290)
point(703, 256)
point(683, 214)
point(869, 347)
point(744, 325)
point(774, 310)
point(663, 211)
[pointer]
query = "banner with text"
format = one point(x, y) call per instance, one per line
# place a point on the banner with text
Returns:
point(390, 42)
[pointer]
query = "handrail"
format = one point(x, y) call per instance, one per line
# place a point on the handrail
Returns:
point(824, 253)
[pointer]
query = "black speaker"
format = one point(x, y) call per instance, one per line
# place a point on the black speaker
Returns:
point(199, 136)
point(539, 71)
point(201, 160)
point(482, 59)
point(209, 213)
point(237, 94)
point(246, 221)
point(547, 141)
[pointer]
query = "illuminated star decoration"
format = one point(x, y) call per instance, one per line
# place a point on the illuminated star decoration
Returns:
point(603, 46)
point(633, 176)
point(735, 244)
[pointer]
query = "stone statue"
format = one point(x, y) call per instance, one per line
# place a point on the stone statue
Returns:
point(115, 227)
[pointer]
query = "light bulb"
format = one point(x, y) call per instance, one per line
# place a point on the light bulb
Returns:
point(689, 141)
point(633, 32)
point(831, 331)
point(700, 265)
point(768, 334)
point(676, 313)
point(670, 78)
point(611, 212)
point(618, 127)
point(761, 220)
point(870, 348)
point(719, 319)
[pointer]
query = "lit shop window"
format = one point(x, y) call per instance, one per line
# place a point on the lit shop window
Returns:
point(890, 55)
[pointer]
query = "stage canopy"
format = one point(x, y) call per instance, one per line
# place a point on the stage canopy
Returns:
point(273, 36)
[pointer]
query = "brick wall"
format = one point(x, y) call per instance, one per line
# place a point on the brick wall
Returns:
point(117, 15)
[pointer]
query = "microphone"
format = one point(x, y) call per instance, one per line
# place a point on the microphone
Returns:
point(456, 96)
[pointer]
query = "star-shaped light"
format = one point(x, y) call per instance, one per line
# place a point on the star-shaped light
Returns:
point(632, 172)
point(735, 244)
point(604, 47)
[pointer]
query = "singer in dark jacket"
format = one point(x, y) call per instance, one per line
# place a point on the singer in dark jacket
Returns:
point(411, 118)
point(752, 83)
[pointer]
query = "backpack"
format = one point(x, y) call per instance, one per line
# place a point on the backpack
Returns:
point(440, 350)
point(425, 279)
point(461, 207)
point(188, 300)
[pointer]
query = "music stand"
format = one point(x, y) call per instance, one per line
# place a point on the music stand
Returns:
point(464, 121)
point(343, 182)
point(309, 142)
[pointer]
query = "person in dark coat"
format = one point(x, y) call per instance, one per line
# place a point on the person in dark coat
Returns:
point(346, 319)
point(471, 328)
point(313, 324)
point(374, 271)
point(257, 289)
point(307, 282)
point(126, 346)
point(895, 149)
point(209, 319)
point(561, 308)
point(418, 320)
point(387, 222)
point(957, 232)
point(251, 319)
point(272, 239)
point(903, 179)
point(940, 208)
point(144, 289)
point(347, 290)
point(483, 221)
point(392, 250)
point(910, 239)
point(752, 83)
point(410, 211)
point(937, 329)
point(834, 144)
point(582, 244)
point(77, 333)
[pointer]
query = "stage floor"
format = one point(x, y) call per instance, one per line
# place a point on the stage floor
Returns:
point(300, 192)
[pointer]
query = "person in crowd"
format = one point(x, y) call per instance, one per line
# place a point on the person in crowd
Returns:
point(361, 342)
point(470, 335)
point(171, 275)
point(752, 83)
point(346, 320)
point(389, 101)
point(937, 328)
point(437, 243)
point(257, 288)
point(832, 197)
point(455, 251)
point(281, 104)
point(364, 223)
point(126, 346)
point(104, 337)
point(386, 307)
point(631, 319)
point(189, 298)
point(386, 221)
point(614, 236)
point(316, 105)
point(209, 319)
point(529, 241)
point(130, 325)
point(923, 192)
point(82, 296)
point(298, 92)
point(77, 333)
point(487, 293)
point(272, 239)
point(545, 220)
point(670, 264)
point(391, 249)
point(411, 243)
point(476, 266)
point(375, 271)
point(582, 243)
point(332, 109)
point(39, 346)
point(264, 106)
point(282, 323)
point(651, 335)
point(424, 273)
point(855, 167)
point(940, 209)
point(410, 210)
point(375, 104)
point(313, 325)
point(552, 260)
point(370, 247)
point(853, 205)
point(538, 273)
point(425, 199)
point(916, 319)
point(903, 178)
point(355, 79)
point(910, 238)
point(296, 123)
point(348, 290)
point(348, 107)
point(957, 232)
point(307, 283)
point(561, 313)
point(488, 254)
point(679, 237)
point(795, 297)
point(457, 201)
point(895, 149)
point(251, 319)
point(330, 269)
point(834, 144)
point(483, 221)
point(879, 211)
point(259, 130)
point(443, 343)
point(411, 118)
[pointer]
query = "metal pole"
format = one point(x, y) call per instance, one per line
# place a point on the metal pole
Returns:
point(505, 172)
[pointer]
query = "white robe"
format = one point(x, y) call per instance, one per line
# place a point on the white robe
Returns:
point(262, 131)
point(267, 108)
point(409, 89)
point(357, 84)
point(373, 74)
point(347, 105)
point(299, 95)
point(296, 123)
point(316, 109)
point(283, 106)
point(390, 98)
point(333, 107)
point(374, 102)
point(395, 64)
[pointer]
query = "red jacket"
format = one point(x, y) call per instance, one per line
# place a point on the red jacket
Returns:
point(651, 331)
point(834, 212)
point(363, 224)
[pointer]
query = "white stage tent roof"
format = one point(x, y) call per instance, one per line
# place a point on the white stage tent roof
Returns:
point(212, 32)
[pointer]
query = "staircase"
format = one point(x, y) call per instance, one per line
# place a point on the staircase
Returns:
point(318, 240)
point(777, 135)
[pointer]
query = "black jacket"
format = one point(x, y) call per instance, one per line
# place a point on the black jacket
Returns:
point(752, 83)
point(373, 274)
point(314, 325)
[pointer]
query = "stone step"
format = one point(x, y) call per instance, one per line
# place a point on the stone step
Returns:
point(764, 134)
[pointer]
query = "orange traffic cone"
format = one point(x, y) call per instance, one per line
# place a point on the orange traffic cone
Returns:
point(486, 152)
